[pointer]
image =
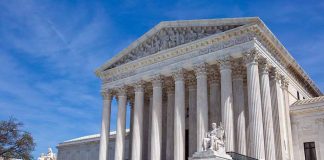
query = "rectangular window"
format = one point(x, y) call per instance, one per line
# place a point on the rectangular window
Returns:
point(298, 97)
point(310, 151)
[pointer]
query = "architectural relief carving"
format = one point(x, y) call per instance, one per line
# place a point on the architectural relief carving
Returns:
point(264, 66)
point(200, 69)
point(191, 79)
point(274, 74)
point(237, 69)
point(121, 91)
point(170, 37)
point(157, 80)
point(139, 86)
point(284, 82)
point(115, 74)
point(213, 74)
point(106, 95)
point(225, 62)
point(251, 57)
point(169, 85)
point(178, 74)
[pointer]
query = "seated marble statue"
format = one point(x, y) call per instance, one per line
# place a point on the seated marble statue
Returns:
point(214, 139)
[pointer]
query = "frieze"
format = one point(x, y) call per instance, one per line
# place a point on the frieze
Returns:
point(242, 34)
point(168, 38)
point(128, 69)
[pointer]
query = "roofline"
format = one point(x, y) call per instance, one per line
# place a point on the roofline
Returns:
point(286, 55)
point(177, 23)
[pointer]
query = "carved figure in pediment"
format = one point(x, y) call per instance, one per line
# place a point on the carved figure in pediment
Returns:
point(164, 40)
point(182, 37)
point(192, 35)
point(200, 33)
point(157, 44)
point(173, 38)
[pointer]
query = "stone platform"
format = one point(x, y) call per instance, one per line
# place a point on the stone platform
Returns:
point(210, 155)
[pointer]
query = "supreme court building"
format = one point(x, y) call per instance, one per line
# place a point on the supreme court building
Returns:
point(181, 76)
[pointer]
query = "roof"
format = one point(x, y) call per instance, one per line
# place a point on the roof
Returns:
point(88, 138)
point(309, 101)
point(244, 21)
point(179, 23)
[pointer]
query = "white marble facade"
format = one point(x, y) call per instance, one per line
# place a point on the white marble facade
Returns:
point(181, 76)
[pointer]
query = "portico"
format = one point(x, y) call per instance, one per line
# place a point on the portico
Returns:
point(196, 71)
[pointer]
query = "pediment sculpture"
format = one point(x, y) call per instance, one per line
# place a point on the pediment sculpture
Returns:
point(168, 38)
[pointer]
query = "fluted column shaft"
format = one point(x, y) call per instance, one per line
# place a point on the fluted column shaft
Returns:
point(269, 144)
point(121, 123)
point(227, 102)
point(156, 126)
point(105, 127)
point(239, 108)
point(138, 123)
point(170, 123)
point(277, 110)
point(254, 102)
point(179, 116)
point(214, 96)
point(202, 103)
point(192, 101)
point(285, 92)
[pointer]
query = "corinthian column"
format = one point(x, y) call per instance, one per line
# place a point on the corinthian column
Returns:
point(227, 102)
point(278, 118)
point(269, 145)
point(214, 96)
point(179, 116)
point(138, 122)
point(202, 103)
point(192, 100)
point(170, 120)
point(285, 93)
point(121, 123)
point(105, 126)
point(254, 102)
point(156, 126)
point(239, 108)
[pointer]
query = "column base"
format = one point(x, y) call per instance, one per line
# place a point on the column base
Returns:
point(210, 155)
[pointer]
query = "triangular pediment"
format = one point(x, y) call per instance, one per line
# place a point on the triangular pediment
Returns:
point(170, 34)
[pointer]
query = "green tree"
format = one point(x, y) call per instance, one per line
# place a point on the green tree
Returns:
point(14, 142)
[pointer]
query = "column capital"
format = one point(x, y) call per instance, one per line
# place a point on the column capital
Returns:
point(264, 66)
point(106, 94)
point(213, 75)
point(251, 57)
point(237, 70)
point(148, 91)
point(121, 91)
point(225, 62)
point(169, 85)
point(284, 82)
point(191, 79)
point(178, 74)
point(131, 100)
point(274, 74)
point(157, 80)
point(200, 69)
point(139, 86)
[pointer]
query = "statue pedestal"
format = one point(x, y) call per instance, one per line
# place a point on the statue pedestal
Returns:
point(210, 155)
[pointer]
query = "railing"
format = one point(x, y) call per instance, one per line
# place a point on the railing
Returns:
point(237, 156)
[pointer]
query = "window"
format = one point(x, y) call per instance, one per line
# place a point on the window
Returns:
point(298, 97)
point(310, 152)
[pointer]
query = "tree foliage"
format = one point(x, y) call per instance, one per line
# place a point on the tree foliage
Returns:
point(15, 143)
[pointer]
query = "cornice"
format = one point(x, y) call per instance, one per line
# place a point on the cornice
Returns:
point(218, 42)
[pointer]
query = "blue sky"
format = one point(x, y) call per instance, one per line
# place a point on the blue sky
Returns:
point(49, 50)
